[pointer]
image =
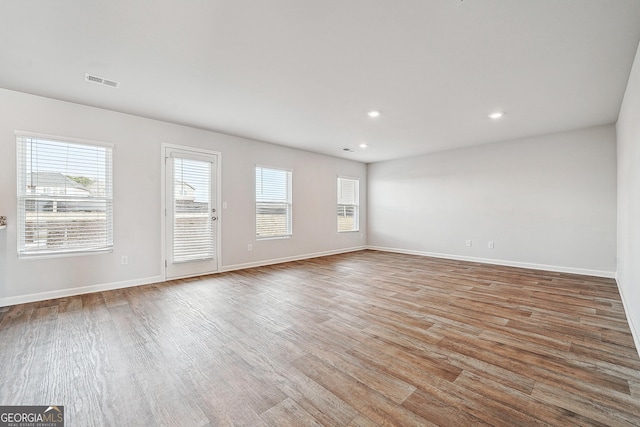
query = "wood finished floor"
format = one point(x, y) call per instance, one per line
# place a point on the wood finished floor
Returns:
point(361, 339)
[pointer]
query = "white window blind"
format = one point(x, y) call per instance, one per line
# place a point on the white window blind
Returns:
point(348, 204)
point(273, 202)
point(192, 211)
point(65, 196)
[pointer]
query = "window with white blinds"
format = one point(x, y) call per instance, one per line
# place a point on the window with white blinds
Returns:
point(273, 202)
point(193, 238)
point(348, 204)
point(65, 196)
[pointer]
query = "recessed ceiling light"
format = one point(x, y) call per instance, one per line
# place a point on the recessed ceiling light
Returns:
point(363, 145)
point(373, 113)
point(496, 115)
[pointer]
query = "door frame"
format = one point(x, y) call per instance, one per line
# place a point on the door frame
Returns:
point(163, 207)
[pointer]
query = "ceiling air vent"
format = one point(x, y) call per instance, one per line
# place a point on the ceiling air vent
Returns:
point(100, 80)
point(110, 83)
point(348, 150)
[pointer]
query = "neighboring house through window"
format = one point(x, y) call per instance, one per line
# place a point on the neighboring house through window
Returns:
point(273, 202)
point(65, 197)
point(348, 204)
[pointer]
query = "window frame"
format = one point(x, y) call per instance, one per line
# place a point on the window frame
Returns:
point(288, 202)
point(356, 206)
point(23, 196)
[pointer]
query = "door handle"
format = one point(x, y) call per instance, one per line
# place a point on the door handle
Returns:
point(214, 218)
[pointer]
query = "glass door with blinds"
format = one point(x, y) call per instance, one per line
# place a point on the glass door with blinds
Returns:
point(191, 212)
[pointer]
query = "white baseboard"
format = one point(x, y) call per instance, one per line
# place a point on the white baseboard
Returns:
point(555, 268)
point(61, 293)
point(68, 292)
point(630, 319)
point(289, 259)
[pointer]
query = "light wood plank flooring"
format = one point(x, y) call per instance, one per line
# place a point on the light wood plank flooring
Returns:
point(361, 339)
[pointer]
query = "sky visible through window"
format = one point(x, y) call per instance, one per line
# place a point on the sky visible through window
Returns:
point(66, 158)
point(196, 174)
point(271, 185)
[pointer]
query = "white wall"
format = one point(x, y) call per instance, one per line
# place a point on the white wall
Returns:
point(547, 202)
point(628, 132)
point(137, 198)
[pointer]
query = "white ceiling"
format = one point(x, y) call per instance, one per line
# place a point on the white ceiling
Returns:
point(304, 73)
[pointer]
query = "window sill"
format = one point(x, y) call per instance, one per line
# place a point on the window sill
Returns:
point(273, 238)
point(49, 255)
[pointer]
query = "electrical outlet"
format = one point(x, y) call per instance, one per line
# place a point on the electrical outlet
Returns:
point(468, 243)
point(124, 260)
point(490, 245)
point(250, 247)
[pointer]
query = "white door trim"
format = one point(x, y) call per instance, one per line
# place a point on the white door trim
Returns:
point(163, 192)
